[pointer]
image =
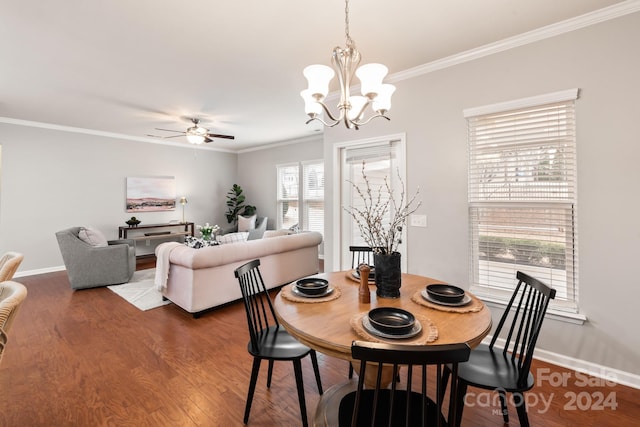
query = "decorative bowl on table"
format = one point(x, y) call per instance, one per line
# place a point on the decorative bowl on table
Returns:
point(312, 286)
point(445, 293)
point(132, 222)
point(391, 320)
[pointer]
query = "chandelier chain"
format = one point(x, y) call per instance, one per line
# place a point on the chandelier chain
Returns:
point(349, 42)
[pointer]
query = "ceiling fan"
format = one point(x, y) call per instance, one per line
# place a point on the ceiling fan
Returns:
point(195, 134)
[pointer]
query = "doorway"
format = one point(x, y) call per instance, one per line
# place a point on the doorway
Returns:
point(383, 157)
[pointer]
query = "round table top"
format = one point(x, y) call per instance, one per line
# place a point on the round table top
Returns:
point(326, 326)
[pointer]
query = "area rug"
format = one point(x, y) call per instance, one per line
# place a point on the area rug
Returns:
point(141, 291)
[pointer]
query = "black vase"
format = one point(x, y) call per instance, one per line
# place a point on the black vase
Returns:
point(388, 275)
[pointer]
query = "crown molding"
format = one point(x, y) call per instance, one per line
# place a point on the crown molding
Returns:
point(312, 138)
point(562, 27)
point(113, 135)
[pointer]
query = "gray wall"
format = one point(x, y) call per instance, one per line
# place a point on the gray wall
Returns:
point(51, 180)
point(602, 61)
point(257, 172)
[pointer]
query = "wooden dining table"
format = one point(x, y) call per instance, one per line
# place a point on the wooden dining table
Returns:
point(327, 324)
point(330, 324)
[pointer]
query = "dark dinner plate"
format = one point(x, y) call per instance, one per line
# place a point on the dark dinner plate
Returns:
point(372, 273)
point(312, 286)
point(391, 320)
point(445, 293)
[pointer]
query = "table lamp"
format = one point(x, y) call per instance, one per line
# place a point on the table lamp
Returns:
point(183, 201)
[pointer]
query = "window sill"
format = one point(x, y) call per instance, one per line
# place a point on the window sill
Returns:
point(562, 316)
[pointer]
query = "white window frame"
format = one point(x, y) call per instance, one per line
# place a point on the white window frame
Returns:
point(537, 197)
point(303, 199)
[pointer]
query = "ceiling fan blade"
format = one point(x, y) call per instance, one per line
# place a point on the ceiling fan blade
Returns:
point(171, 130)
point(207, 139)
point(214, 135)
point(164, 137)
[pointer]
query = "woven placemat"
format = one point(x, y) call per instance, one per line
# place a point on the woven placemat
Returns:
point(429, 332)
point(473, 307)
point(288, 294)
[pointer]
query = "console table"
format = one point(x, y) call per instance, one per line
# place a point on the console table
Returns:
point(160, 231)
point(150, 232)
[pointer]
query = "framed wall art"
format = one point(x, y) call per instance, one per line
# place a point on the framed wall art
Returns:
point(148, 194)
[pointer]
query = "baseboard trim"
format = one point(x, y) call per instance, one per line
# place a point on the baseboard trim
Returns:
point(39, 271)
point(589, 368)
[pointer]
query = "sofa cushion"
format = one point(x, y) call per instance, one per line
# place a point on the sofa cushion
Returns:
point(233, 238)
point(93, 237)
point(246, 223)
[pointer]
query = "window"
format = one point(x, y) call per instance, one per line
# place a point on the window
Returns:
point(301, 206)
point(522, 195)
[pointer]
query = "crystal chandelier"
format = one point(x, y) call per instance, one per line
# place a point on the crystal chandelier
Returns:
point(351, 108)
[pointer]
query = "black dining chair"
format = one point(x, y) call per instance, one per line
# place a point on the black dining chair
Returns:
point(361, 255)
point(394, 407)
point(507, 370)
point(269, 340)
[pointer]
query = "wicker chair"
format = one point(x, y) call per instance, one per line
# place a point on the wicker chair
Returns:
point(9, 263)
point(12, 294)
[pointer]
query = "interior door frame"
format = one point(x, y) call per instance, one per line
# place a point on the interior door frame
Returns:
point(337, 186)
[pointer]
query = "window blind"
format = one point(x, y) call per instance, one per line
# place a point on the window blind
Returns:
point(522, 198)
point(313, 190)
point(288, 184)
point(301, 195)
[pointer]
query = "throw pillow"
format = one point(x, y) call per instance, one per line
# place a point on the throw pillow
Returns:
point(246, 224)
point(233, 238)
point(93, 237)
point(276, 233)
point(197, 243)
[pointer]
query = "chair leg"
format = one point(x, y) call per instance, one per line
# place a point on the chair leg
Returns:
point(350, 370)
point(252, 387)
point(460, 394)
point(443, 382)
point(269, 373)
point(503, 406)
point(521, 406)
point(316, 370)
point(297, 369)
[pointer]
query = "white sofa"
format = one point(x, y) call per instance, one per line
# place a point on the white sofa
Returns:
point(200, 279)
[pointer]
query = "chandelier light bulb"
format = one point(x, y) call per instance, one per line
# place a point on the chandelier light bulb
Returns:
point(319, 77)
point(382, 103)
point(311, 107)
point(358, 104)
point(371, 76)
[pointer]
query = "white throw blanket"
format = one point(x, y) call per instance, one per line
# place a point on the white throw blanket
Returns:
point(162, 263)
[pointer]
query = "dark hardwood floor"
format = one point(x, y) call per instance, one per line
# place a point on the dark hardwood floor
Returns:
point(88, 358)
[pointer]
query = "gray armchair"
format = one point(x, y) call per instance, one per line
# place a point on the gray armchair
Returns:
point(90, 266)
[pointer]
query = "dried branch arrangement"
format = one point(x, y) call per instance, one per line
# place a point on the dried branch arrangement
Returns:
point(383, 216)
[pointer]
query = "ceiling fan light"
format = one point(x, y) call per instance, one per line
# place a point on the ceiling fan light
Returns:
point(318, 77)
point(195, 139)
point(382, 103)
point(371, 76)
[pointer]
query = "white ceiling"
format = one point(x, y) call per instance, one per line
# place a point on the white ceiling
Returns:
point(126, 67)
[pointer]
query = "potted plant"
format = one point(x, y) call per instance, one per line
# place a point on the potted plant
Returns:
point(381, 220)
point(236, 206)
